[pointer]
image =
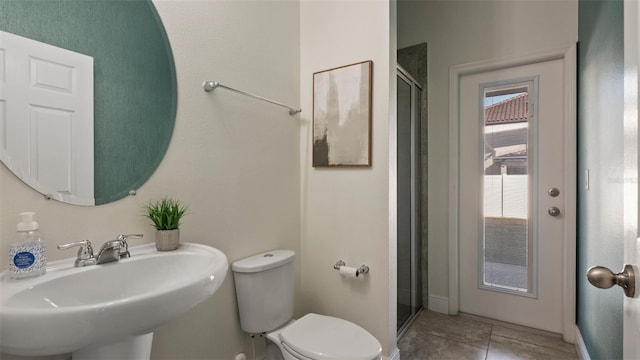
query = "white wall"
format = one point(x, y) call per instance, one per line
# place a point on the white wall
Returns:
point(459, 32)
point(345, 211)
point(233, 159)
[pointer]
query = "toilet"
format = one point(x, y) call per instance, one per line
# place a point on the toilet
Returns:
point(265, 292)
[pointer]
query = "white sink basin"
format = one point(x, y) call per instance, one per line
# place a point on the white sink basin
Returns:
point(69, 308)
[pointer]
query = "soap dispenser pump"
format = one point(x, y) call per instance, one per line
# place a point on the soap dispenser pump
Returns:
point(27, 256)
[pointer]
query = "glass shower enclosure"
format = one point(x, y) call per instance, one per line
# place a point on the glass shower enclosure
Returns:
point(409, 299)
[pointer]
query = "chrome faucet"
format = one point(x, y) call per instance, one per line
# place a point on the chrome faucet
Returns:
point(109, 251)
point(85, 252)
point(124, 251)
point(112, 250)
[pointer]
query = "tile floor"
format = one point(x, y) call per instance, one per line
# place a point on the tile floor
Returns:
point(438, 336)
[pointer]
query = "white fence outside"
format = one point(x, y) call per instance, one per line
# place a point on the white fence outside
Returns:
point(506, 196)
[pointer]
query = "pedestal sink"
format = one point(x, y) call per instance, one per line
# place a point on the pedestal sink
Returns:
point(107, 310)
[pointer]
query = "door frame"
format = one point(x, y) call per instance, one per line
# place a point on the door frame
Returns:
point(631, 306)
point(568, 56)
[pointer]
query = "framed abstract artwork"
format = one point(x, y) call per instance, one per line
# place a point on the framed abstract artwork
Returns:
point(342, 115)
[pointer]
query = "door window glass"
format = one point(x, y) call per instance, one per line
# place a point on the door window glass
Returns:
point(506, 239)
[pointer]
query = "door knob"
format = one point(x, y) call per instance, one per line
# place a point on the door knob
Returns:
point(553, 211)
point(602, 277)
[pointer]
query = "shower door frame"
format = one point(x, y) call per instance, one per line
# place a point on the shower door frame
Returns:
point(416, 221)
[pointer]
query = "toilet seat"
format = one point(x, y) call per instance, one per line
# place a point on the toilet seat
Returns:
point(322, 337)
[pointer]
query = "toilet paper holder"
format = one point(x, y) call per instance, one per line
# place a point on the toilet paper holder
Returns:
point(363, 269)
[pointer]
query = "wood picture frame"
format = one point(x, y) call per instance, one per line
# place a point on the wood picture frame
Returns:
point(342, 108)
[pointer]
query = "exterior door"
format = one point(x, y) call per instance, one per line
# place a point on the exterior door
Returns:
point(512, 194)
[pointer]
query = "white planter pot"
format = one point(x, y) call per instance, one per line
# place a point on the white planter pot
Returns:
point(167, 240)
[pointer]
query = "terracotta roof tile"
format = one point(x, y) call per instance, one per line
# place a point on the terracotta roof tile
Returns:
point(508, 111)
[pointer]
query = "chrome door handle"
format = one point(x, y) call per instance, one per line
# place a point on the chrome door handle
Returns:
point(553, 211)
point(602, 277)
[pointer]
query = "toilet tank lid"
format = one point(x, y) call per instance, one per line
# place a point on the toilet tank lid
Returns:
point(264, 261)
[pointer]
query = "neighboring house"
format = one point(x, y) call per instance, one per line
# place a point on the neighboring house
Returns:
point(506, 129)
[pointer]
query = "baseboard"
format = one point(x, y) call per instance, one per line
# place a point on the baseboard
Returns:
point(581, 347)
point(395, 355)
point(439, 304)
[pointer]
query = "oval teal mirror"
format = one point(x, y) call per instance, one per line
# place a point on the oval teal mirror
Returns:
point(134, 80)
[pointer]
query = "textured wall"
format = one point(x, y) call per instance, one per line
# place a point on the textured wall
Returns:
point(134, 79)
point(600, 140)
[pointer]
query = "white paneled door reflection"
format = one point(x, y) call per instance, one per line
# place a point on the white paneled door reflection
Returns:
point(46, 117)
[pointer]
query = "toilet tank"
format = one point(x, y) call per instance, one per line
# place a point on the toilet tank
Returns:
point(265, 290)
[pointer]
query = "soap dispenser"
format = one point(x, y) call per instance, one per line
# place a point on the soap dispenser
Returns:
point(27, 256)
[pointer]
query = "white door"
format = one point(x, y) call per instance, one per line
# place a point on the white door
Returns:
point(631, 317)
point(46, 120)
point(604, 278)
point(512, 194)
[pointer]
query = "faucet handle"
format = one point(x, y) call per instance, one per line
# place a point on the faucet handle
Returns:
point(125, 237)
point(85, 252)
point(124, 252)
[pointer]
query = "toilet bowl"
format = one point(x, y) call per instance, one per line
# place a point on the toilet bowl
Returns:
point(321, 337)
point(264, 288)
